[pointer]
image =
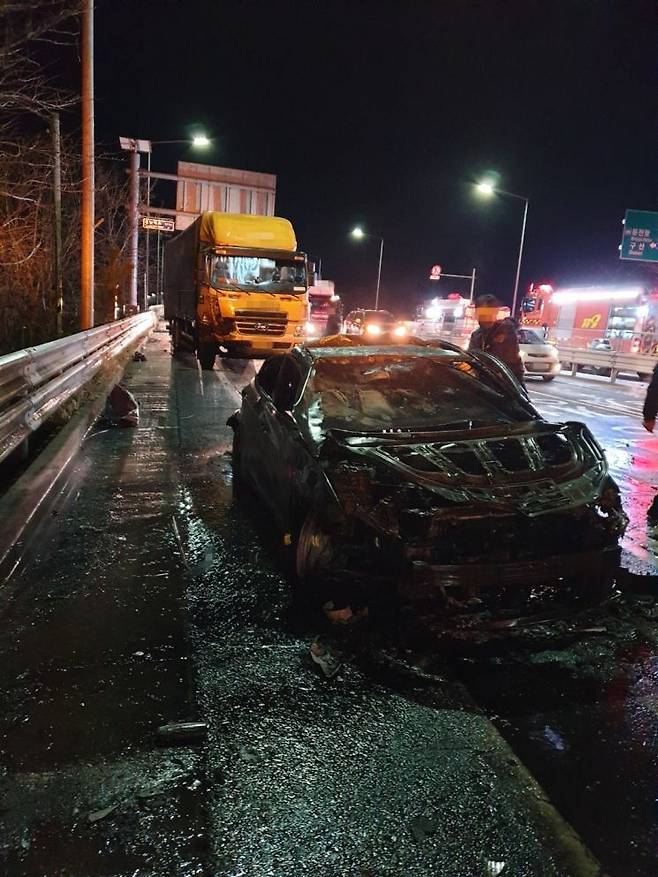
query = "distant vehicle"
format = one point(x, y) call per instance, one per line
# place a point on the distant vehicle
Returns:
point(325, 316)
point(235, 285)
point(374, 324)
point(425, 472)
point(540, 358)
point(600, 344)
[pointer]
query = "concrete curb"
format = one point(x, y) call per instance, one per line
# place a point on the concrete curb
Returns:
point(30, 498)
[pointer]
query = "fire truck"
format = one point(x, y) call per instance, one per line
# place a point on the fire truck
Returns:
point(619, 318)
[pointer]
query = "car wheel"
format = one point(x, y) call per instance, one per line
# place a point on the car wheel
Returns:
point(547, 378)
point(206, 354)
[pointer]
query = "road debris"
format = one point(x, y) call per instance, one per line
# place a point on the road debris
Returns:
point(138, 356)
point(182, 732)
point(121, 408)
point(327, 662)
point(97, 815)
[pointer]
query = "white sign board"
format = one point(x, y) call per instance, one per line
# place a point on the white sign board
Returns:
point(158, 223)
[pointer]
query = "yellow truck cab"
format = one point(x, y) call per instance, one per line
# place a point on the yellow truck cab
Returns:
point(235, 285)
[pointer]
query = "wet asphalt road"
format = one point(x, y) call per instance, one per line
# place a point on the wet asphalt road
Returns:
point(582, 713)
point(110, 630)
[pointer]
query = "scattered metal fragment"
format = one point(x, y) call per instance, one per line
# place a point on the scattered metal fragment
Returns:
point(182, 732)
point(179, 542)
point(97, 815)
point(247, 753)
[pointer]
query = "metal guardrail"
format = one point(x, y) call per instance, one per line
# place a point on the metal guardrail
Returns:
point(36, 381)
point(610, 362)
point(607, 362)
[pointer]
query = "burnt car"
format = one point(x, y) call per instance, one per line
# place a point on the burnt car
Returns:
point(424, 470)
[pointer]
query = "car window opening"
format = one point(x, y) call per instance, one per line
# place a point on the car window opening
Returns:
point(407, 394)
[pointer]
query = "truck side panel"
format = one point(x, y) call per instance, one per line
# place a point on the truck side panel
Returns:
point(180, 274)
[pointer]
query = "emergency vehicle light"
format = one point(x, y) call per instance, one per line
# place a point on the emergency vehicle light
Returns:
point(601, 293)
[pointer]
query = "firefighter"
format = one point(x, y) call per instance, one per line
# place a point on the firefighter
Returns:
point(649, 413)
point(498, 337)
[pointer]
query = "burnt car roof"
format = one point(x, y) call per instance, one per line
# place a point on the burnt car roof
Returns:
point(383, 350)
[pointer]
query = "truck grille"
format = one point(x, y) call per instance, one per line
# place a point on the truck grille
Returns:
point(261, 322)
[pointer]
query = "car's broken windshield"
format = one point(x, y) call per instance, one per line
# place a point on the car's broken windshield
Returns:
point(360, 394)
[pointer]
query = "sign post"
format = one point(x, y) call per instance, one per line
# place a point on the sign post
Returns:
point(639, 241)
point(436, 274)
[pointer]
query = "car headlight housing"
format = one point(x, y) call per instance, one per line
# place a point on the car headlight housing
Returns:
point(373, 329)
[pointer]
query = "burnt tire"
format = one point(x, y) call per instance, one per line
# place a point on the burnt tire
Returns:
point(206, 354)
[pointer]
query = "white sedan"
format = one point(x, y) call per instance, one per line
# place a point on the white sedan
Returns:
point(540, 358)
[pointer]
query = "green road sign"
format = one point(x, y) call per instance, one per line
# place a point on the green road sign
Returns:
point(639, 241)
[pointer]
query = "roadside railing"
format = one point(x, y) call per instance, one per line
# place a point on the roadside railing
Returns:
point(607, 362)
point(35, 382)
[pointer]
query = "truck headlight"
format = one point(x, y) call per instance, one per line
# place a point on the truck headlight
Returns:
point(400, 331)
point(300, 329)
point(373, 329)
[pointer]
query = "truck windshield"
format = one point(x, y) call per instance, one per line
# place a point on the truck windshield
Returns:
point(255, 274)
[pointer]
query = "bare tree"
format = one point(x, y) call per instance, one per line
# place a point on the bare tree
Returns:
point(28, 305)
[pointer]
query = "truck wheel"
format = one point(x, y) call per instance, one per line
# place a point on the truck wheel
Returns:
point(548, 378)
point(206, 354)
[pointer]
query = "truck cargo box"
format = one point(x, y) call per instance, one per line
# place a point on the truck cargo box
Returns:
point(180, 274)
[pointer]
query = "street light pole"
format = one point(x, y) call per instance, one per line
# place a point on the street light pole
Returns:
point(488, 188)
point(518, 264)
point(379, 272)
point(359, 233)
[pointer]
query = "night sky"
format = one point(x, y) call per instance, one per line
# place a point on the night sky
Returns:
point(385, 114)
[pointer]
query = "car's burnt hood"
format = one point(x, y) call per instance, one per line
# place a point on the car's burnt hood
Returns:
point(531, 468)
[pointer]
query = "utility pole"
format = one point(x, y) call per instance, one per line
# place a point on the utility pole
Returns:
point(133, 213)
point(147, 256)
point(87, 213)
point(157, 271)
point(57, 223)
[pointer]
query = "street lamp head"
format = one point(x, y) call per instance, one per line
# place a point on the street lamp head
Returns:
point(358, 232)
point(200, 140)
point(485, 188)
